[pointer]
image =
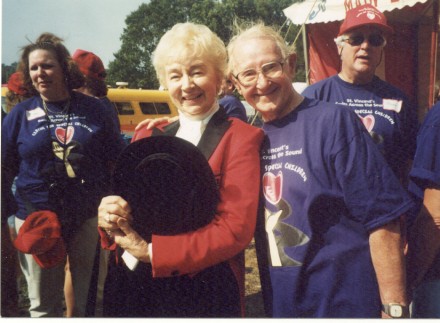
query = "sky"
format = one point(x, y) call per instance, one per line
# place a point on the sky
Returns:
point(92, 25)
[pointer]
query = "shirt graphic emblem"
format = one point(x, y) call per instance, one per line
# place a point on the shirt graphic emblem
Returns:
point(369, 122)
point(63, 135)
point(280, 235)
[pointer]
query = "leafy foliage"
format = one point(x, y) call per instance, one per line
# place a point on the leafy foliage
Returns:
point(7, 70)
point(145, 26)
point(149, 22)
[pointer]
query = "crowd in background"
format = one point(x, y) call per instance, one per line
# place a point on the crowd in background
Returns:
point(343, 201)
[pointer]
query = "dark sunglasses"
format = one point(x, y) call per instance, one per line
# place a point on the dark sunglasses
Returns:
point(375, 40)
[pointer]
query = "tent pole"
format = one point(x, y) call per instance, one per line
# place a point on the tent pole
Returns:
point(306, 59)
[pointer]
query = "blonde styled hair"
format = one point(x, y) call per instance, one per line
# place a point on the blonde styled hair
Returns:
point(189, 40)
point(258, 30)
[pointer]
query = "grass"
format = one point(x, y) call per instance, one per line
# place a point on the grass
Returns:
point(253, 298)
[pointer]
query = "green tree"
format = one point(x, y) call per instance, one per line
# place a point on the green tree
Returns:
point(7, 70)
point(149, 22)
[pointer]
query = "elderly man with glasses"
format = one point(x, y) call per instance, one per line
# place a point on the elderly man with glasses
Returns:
point(385, 111)
point(329, 241)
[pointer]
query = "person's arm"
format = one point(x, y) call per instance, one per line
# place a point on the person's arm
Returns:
point(236, 165)
point(10, 162)
point(386, 247)
point(151, 123)
point(425, 237)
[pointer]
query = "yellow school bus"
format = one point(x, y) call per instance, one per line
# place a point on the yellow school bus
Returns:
point(4, 90)
point(134, 106)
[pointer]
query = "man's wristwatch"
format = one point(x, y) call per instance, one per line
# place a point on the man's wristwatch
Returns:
point(396, 310)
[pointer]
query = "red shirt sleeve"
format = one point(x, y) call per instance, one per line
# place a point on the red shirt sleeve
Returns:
point(236, 165)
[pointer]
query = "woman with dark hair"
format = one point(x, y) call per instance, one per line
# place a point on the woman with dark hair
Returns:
point(60, 144)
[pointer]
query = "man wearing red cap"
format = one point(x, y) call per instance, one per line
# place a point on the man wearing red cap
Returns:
point(384, 110)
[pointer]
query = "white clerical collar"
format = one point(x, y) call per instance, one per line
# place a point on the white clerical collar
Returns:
point(191, 129)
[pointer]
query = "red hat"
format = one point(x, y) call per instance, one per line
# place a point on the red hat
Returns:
point(40, 235)
point(89, 64)
point(364, 15)
point(15, 83)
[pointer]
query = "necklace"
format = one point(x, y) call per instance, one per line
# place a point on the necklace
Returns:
point(58, 118)
point(63, 111)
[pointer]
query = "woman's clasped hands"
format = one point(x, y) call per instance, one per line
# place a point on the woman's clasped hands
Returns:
point(114, 217)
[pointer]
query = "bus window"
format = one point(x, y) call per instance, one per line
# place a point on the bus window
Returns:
point(124, 108)
point(154, 108)
point(162, 108)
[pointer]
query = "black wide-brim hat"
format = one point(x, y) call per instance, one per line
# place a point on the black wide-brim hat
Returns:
point(168, 184)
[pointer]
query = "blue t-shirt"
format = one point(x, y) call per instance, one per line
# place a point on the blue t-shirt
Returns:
point(233, 107)
point(385, 111)
point(425, 171)
point(326, 186)
point(426, 165)
point(112, 111)
point(87, 136)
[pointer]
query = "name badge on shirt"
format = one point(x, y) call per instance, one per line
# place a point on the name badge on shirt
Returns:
point(35, 113)
point(393, 105)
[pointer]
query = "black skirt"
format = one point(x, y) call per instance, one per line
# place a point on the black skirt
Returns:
point(212, 292)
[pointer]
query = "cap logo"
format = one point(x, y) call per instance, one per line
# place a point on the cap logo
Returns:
point(370, 15)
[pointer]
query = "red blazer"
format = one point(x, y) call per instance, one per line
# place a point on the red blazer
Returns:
point(232, 148)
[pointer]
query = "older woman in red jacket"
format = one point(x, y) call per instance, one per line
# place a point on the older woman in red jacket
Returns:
point(191, 62)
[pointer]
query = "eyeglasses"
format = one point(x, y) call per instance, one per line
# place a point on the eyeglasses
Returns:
point(375, 40)
point(270, 70)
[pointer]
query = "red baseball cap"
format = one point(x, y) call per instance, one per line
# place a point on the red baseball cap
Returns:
point(364, 15)
point(40, 235)
point(89, 64)
point(15, 83)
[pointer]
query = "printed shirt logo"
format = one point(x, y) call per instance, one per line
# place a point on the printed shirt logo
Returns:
point(368, 122)
point(393, 105)
point(280, 235)
point(63, 154)
point(64, 137)
point(272, 187)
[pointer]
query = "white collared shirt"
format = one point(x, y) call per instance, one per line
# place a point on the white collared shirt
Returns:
point(192, 129)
